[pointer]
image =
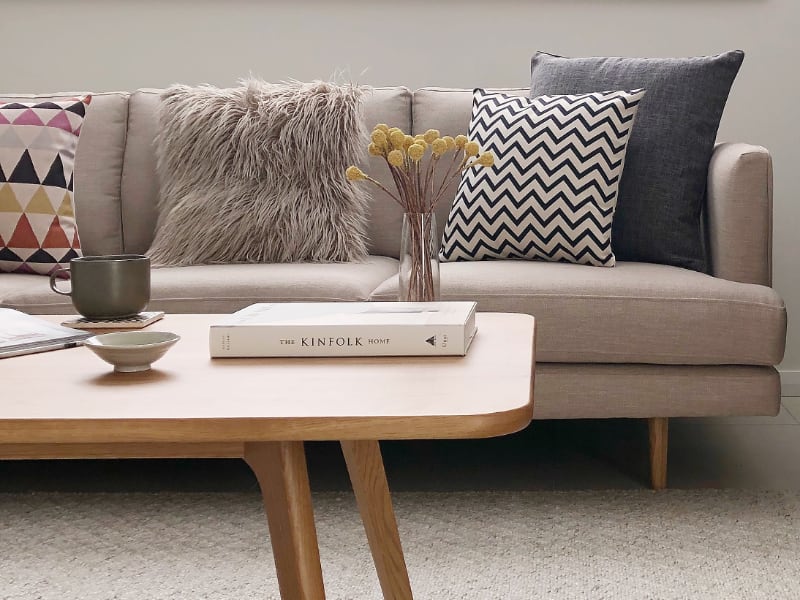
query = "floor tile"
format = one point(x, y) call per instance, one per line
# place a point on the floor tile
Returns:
point(793, 407)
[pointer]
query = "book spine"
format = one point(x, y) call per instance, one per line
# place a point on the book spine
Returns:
point(337, 340)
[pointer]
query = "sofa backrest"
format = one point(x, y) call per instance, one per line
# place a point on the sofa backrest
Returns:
point(449, 110)
point(116, 185)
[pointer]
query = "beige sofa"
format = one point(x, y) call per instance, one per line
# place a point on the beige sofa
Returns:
point(636, 340)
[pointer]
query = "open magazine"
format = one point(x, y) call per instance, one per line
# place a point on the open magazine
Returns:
point(21, 333)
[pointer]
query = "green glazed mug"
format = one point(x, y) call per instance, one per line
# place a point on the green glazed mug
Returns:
point(107, 287)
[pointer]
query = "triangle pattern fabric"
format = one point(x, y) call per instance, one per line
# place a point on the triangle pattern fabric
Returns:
point(8, 200)
point(23, 236)
point(40, 203)
point(38, 144)
point(55, 175)
point(24, 171)
point(552, 191)
point(56, 238)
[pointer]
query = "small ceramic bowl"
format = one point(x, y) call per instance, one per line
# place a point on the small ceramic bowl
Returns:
point(131, 351)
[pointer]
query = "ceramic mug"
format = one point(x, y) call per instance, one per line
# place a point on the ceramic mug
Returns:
point(107, 287)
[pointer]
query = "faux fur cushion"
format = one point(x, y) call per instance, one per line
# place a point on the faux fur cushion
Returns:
point(256, 174)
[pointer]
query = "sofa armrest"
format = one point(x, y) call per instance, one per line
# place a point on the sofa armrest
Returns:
point(739, 213)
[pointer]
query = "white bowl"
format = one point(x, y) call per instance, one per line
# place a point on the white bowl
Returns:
point(131, 351)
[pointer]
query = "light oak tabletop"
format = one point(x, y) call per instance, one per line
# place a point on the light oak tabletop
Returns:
point(71, 396)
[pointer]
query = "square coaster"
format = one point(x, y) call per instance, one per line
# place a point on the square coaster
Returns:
point(143, 319)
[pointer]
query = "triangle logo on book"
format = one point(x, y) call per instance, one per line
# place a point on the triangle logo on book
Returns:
point(432, 340)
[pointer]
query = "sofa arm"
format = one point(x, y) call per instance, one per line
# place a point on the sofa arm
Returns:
point(739, 217)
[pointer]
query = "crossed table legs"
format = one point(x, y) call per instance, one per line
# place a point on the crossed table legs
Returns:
point(280, 468)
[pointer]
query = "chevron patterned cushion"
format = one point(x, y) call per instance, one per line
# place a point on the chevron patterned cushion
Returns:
point(552, 191)
point(38, 141)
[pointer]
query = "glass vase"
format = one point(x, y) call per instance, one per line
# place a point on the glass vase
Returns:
point(419, 259)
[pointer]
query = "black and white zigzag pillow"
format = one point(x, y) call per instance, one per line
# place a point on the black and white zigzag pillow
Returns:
point(552, 191)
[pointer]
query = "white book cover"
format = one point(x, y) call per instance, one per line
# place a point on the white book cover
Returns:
point(21, 333)
point(345, 329)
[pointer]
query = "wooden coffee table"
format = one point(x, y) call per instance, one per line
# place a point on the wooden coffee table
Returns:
point(70, 404)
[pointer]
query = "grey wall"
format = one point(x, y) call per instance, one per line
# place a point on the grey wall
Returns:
point(49, 45)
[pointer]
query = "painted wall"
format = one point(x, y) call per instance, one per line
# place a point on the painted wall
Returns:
point(53, 45)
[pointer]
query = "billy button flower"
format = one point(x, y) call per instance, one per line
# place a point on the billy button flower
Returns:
point(396, 158)
point(438, 146)
point(430, 135)
point(353, 173)
point(418, 188)
point(486, 159)
point(379, 139)
point(397, 138)
point(415, 151)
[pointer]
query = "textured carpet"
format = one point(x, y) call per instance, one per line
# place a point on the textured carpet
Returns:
point(509, 545)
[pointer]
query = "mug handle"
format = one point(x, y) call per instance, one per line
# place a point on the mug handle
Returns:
point(53, 276)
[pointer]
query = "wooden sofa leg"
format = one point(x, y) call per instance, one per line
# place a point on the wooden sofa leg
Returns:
point(658, 452)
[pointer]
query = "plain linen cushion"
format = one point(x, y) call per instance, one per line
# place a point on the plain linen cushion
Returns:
point(662, 188)
point(633, 313)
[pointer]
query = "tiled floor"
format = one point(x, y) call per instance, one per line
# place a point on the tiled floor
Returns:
point(735, 452)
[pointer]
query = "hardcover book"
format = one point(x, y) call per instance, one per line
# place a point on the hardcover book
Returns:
point(345, 329)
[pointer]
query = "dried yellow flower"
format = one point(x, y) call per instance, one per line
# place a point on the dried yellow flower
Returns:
point(379, 138)
point(374, 150)
point(382, 127)
point(397, 138)
point(392, 130)
point(461, 141)
point(438, 146)
point(415, 151)
point(396, 158)
point(451, 143)
point(422, 143)
point(485, 160)
point(353, 173)
point(407, 142)
point(430, 135)
point(471, 148)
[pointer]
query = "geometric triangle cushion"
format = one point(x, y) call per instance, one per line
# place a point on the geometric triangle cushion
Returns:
point(38, 141)
point(552, 190)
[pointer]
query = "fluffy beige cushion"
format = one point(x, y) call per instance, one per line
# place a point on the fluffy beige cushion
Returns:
point(256, 174)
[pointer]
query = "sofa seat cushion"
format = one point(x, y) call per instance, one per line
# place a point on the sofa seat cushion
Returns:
point(632, 313)
point(221, 288)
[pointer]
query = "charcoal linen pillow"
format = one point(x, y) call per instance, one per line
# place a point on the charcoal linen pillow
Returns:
point(662, 191)
point(256, 174)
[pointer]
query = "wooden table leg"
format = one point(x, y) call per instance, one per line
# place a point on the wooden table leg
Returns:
point(280, 468)
point(365, 465)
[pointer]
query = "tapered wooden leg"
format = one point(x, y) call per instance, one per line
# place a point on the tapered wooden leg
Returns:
point(365, 465)
point(658, 451)
point(280, 468)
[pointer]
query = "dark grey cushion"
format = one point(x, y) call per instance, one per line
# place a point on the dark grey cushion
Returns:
point(663, 185)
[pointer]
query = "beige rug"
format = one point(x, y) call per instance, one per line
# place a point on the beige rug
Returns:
point(504, 545)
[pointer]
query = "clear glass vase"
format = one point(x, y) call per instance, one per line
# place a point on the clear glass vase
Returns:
point(419, 259)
